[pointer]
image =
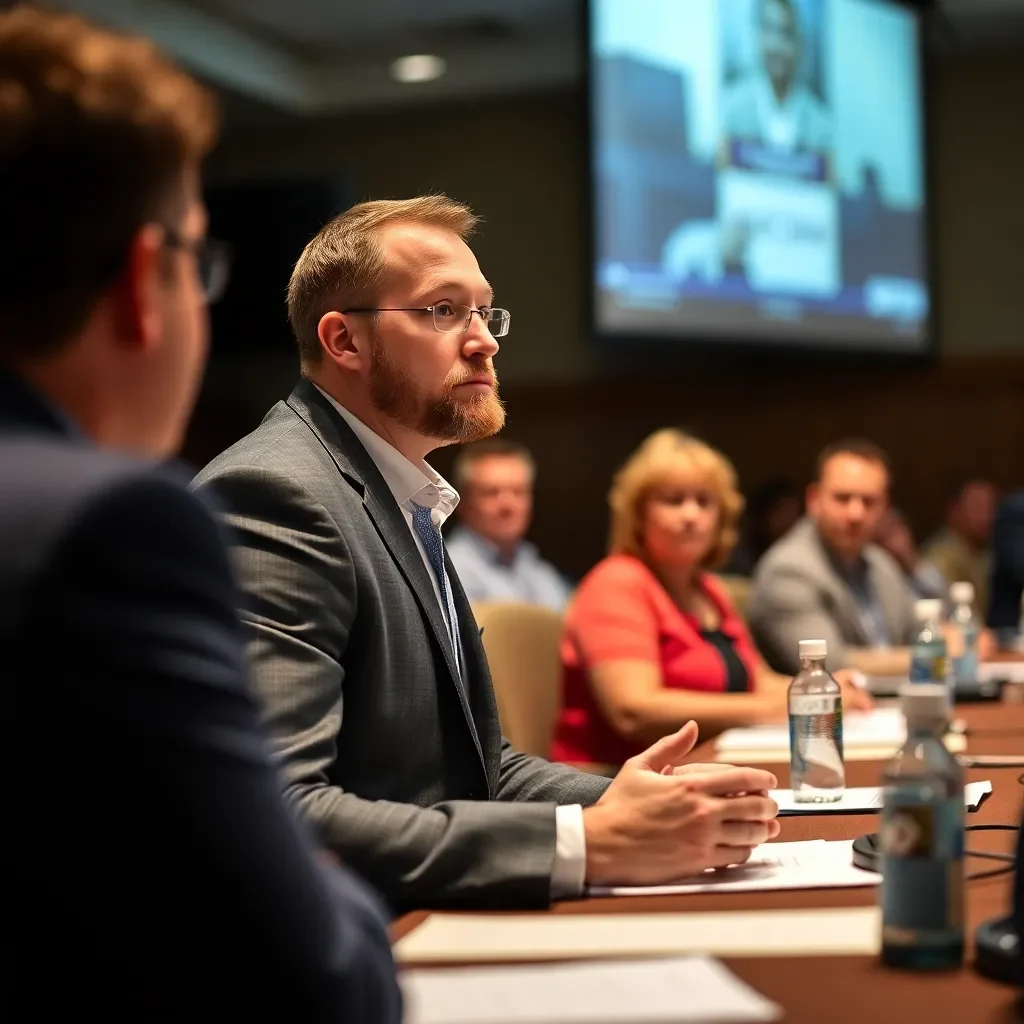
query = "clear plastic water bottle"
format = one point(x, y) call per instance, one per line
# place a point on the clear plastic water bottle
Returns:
point(929, 661)
point(922, 839)
point(963, 648)
point(815, 729)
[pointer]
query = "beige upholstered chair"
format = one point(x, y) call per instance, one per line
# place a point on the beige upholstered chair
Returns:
point(521, 642)
point(738, 588)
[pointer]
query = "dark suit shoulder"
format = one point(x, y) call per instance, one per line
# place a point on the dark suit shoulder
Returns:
point(53, 490)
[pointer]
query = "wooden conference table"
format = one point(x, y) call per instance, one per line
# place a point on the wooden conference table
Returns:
point(857, 989)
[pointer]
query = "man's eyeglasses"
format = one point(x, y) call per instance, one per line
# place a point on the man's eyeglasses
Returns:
point(450, 318)
point(213, 261)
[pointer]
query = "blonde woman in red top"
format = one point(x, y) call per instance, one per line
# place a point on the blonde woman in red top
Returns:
point(652, 638)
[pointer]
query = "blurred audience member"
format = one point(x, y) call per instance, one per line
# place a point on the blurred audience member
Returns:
point(896, 537)
point(494, 479)
point(960, 550)
point(826, 578)
point(651, 638)
point(772, 510)
point(161, 876)
point(1006, 611)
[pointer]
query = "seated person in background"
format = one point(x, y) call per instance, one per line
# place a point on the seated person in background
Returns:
point(161, 876)
point(494, 479)
point(895, 536)
point(960, 550)
point(1006, 611)
point(651, 638)
point(773, 509)
point(827, 578)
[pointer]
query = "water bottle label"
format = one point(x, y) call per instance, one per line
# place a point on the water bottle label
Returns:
point(816, 737)
point(965, 669)
point(814, 704)
point(922, 865)
point(929, 670)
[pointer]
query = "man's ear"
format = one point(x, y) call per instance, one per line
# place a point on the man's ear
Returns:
point(346, 348)
point(813, 491)
point(138, 293)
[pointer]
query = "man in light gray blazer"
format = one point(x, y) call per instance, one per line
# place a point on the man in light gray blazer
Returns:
point(827, 579)
point(363, 646)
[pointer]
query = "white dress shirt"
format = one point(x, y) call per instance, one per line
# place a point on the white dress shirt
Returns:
point(418, 483)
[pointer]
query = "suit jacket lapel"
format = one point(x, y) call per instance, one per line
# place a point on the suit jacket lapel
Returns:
point(355, 463)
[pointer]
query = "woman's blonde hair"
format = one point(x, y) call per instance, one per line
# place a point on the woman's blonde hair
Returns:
point(663, 454)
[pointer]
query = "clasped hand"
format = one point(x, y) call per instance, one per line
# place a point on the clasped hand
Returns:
point(661, 820)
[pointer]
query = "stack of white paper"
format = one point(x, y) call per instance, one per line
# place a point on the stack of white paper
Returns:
point(815, 864)
point(865, 800)
point(866, 734)
point(509, 938)
point(670, 991)
point(1009, 671)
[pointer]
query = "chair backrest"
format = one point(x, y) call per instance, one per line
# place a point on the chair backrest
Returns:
point(738, 588)
point(521, 642)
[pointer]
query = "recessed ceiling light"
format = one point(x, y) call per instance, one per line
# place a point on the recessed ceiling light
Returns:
point(417, 67)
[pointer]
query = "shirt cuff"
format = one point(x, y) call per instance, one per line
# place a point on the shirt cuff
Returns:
point(569, 872)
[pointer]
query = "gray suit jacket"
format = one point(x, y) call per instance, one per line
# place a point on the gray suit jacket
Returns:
point(799, 595)
point(398, 764)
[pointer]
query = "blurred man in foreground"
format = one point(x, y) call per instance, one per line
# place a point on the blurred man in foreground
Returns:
point(160, 875)
point(828, 579)
point(494, 560)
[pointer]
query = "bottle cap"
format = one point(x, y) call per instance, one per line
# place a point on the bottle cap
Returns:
point(962, 593)
point(926, 611)
point(813, 649)
point(925, 702)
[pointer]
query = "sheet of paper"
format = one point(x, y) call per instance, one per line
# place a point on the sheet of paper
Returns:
point(860, 728)
point(1008, 671)
point(867, 735)
point(816, 864)
point(865, 800)
point(954, 743)
point(483, 938)
point(669, 991)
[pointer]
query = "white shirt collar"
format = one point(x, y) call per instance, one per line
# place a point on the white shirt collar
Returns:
point(410, 482)
point(782, 120)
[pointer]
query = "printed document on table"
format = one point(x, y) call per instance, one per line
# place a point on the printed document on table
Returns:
point(864, 800)
point(690, 990)
point(816, 864)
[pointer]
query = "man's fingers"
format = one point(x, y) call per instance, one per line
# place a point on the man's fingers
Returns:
point(669, 750)
point(732, 780)
point(747, 808)
point(744, 833)
point(728, 856)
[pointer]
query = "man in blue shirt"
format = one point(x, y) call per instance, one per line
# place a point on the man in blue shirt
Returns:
point(495, 483)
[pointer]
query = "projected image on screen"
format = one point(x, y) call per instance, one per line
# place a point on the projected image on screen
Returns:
point(758, 171)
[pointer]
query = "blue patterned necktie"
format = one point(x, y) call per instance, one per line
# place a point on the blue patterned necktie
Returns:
point(430, 533)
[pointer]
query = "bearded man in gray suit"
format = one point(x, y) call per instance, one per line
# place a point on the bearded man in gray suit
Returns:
point(363, 646)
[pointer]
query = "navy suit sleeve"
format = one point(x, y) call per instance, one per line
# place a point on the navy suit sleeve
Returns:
point(203, 881)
